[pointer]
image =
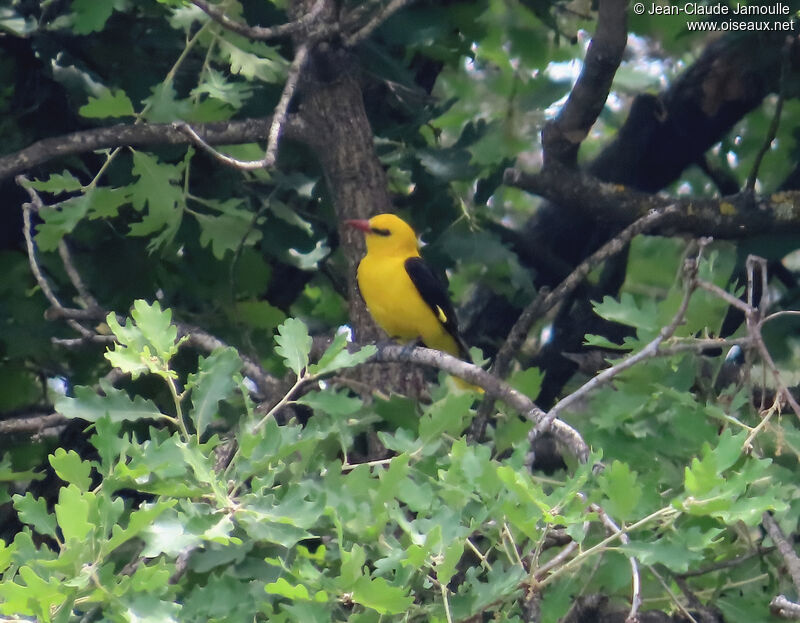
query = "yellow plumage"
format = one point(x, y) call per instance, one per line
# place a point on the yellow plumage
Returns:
point(402, 294)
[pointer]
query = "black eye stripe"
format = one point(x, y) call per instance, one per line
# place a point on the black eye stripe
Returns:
point(381, 232)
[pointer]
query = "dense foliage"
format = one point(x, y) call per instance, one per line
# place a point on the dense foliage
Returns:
point(187, 431)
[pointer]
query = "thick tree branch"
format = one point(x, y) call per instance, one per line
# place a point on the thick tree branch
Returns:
point(147, 135)
point(667, 132)
point(785, 608)
point(31, 423)
point(732, 217)
point(562, 136)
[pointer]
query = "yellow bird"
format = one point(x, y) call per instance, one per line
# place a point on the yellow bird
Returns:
point(402, 293)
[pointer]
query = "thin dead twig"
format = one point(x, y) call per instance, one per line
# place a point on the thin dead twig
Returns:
point(37, 204)
point(375, 21)
point(650, 350)
point(74, 276)
point(636, 585)
point(546, 301)
point(276, 127)
point(259, 32)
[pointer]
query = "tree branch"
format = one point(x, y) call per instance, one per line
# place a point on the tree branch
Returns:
point(260, 32)
point(546, 301)
point(732, 217)
point(562, 136)
point(650, 350)
point(375, 21)
point(147, 135)
point(781, 606)
point(788, 554)
point(275, 127)
point(491, 385)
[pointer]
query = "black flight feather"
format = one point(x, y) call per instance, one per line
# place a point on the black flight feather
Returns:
point(435, 296)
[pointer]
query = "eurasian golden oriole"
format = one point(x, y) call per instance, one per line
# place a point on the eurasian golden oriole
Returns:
point(401, 291)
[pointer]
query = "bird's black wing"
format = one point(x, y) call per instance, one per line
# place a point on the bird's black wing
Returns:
point(435, 295)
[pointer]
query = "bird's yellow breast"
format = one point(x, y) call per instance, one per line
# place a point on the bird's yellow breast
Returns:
point(397, 306)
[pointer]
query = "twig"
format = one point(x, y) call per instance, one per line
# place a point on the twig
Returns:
point(790, 558)
point(672, 595)
point(75, 277)
point(726, 296)
point(279, 116)
point(747, 445)
point(650, 350)
point(275, 128)
point(542, 303)
point(491, 385)
point(376, 20)
point(36, 202)
point(556, 560)
point(260, 32)
point(726, 564)
point(776, 118)
point(636, 593)
point(754, 322)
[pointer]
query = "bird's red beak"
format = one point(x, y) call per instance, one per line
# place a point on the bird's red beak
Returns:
point(361, 224)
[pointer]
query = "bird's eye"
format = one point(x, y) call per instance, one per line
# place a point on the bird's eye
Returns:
point(381, 232)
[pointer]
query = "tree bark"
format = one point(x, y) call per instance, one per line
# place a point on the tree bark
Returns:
point(343, 141)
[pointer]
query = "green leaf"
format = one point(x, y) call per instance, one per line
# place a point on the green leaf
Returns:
point(447, 164)
point(110, 103)
point(227, 232)
point(294, 344)
point(621, 487)
point(674, 556)
point(627, 311)
point(57, 183)
point(163, 106)
point(215, 84)
point(446, 416)
point(378, 594)
point(91, 15)
point(158, 190)
point(259, 315)
point(284, 589)
point(33, 511)
point(70, 468)
point(446, 569)
point(217, 377)
point(89, 405)
point(36, 597)
point(73, 510)
point(337, 357)
point(528, 381)
point(59, 221)
point(252, 59)
point(146, 344)
point(338, 404)
point(139, 521)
